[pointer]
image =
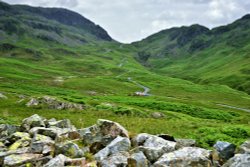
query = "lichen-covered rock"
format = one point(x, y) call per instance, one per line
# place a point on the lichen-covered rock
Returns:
point(115, 160)
point(58, 161)
point(61, 124)
point(19, 159)
point(69, 149)
point(180, 143)
point(33, 121)
point(245, 148)
point(185, 157)
point(42, 144)
point(225, 150)
point(239, 160)
point(24, 142)
point(18, 136)
point(138, 160)
point(119, 144)
point(76, 162)
point(7, 130)
point(140, 139)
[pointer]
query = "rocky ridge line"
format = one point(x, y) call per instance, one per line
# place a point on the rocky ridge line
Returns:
point(57, 143)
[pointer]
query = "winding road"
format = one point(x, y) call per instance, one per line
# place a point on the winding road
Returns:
point(233, 107)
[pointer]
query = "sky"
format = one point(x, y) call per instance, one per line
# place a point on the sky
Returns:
point(133, 20)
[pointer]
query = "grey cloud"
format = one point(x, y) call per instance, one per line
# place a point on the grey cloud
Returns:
point(131, 20)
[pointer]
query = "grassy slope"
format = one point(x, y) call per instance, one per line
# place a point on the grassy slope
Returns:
point(217, 56)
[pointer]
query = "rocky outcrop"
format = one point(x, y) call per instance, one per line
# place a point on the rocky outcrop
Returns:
point(53, 103)
point(57, 143)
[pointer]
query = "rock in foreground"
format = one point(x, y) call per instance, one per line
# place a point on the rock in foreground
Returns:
point(57, 143)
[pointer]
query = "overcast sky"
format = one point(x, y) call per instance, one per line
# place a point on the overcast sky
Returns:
point(132, 20)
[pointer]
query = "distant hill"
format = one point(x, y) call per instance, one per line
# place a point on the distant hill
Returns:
point(48, 24)
point(220, 55)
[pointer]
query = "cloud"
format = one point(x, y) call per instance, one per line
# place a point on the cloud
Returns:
point(131, 20)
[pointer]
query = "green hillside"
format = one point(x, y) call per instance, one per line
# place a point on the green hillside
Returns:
point(44, 56)
point(220, 55)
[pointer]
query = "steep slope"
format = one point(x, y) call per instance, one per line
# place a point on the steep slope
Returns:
point(220, 55)
point(48, 25)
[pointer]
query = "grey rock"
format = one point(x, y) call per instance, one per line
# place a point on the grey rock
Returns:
point(115, 160)
point(225, 150)
point(58, 161)
point(17, 136)
point(42, 144)
point(157, 115)
point(140, 139)
point(167, 137)
point(33, 121)
point(185, 157)
point(32, 102)
point(119, 144)
point(138, 160)
point(245, 148)
point(76, 162)
point(69, 149)
point(239, 160)
point(180, 143)
point(19, 159)
point(7, 130)
point(61, 124)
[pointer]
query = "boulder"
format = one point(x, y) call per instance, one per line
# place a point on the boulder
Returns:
point(58, 161)
point(33, 121)
point(69, 149)
point(180, 143)
point(152, 146)
point(224, 150)
point(18, 136)
point(32, 102)
point(76, 162)
point(115, 160)
point(239, 160)
point(61, 124)
point(245, 148)
point(185, 157)
point(42, 144)
point(138, 160)
point(7, 130)
point(157, 115)
point(20, 159)
point(101, 134)
point(119, 144)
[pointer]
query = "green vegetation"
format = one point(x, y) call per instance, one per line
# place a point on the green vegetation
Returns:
point(95, 72)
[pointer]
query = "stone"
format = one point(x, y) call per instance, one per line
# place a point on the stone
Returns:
point(185, 157)
point(76, 162)
point(157, 115)
point(152, 146)
point(50, 132)
point(18, 136)
point(62, 124)
point(115, 160)
point(42, 144)
point(31, 122)
point(140, 139)
point(69, 149)
point(245, 148)
point(2, 96)
point(7, 130)
point(119, 144)
point(180, 143)
point(138, 160)
point(58, 161)
point(32, 102)
point(20, 144)
point(100, 135)
point(19, 159)
point(239, 160)
point(225, 150)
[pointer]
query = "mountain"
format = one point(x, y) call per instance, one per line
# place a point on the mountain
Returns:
point(48, 25)
point(219, 55)
point(70, 68)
